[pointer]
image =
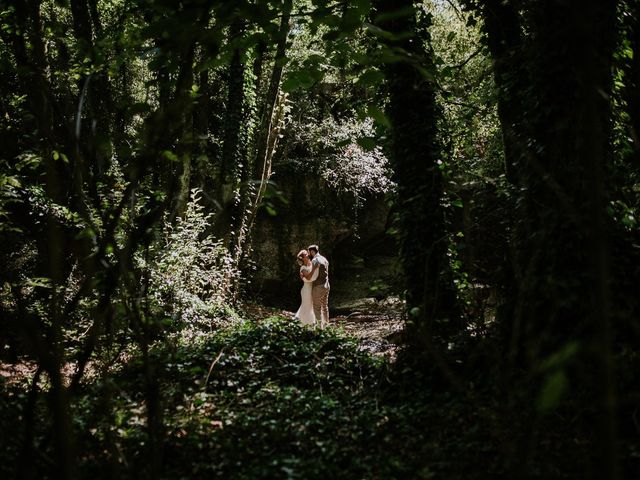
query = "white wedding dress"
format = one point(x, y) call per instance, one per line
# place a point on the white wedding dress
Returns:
point(305, 312)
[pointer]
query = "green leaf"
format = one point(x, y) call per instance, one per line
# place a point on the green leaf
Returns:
point(270, 210)
point(378, 116)
point(552, 391)
point(10, 182)
point(560, 358)
point(370, 77)
point(169, 155)
point(302, 79)
point(41, 282)
point(86, 233)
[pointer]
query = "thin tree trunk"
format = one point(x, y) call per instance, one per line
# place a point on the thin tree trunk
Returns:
point(274, 87)
point(234, 153)
point(185, 147)
point(502, 27)
point(271, 123)
point(258, 68)
point(597, 29)
point(100, 97)
point(26, 468)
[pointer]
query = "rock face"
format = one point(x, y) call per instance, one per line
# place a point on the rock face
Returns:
point(314, 213)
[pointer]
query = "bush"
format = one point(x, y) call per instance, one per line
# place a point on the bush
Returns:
point(191, 273)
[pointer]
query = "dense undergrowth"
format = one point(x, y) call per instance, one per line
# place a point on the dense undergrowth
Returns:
point(272, 399)
point(281, 401)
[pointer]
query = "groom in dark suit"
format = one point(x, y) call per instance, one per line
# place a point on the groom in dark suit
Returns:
point(320, 291)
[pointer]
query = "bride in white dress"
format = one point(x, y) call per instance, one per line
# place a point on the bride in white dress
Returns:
point(305, 312)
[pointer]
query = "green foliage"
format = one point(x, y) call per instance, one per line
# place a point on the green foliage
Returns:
point(8, 194)
point(191, 273)
point(251, 401)
point(118, 290)
point(274, 399)
point(470, 127)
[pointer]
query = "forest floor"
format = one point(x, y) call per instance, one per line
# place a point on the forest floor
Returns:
point(268, 398)
point(376, 324)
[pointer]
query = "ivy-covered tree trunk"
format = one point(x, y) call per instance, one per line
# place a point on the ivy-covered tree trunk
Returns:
point(234, 146)
point(416, 157)
point(562, 262)
point(235, 167)
point(503, 36)
point(186, 142)
point(29, 50)
point(632, 79)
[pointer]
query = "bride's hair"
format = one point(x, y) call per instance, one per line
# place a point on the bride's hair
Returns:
point(300, 257)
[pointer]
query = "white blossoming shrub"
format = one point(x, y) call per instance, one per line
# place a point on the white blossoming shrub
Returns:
point(191, 273)
point(336, 149)
point(358, 171)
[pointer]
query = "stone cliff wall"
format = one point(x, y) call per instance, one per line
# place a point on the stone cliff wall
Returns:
point(316, 213)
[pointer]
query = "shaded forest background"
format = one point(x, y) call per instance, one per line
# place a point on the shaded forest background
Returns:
point(476, 162)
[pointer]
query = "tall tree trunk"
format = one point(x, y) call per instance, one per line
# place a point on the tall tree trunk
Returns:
point(561, 239)
point(234, 149)
point(186, 143)
point(423, 239)
point(632, 79)
point(201, 128)
point(81, 23)
point(34, 72)
point(258, 69)
point(503, 35)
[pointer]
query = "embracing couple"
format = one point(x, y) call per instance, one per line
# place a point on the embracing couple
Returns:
point(314, 272)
